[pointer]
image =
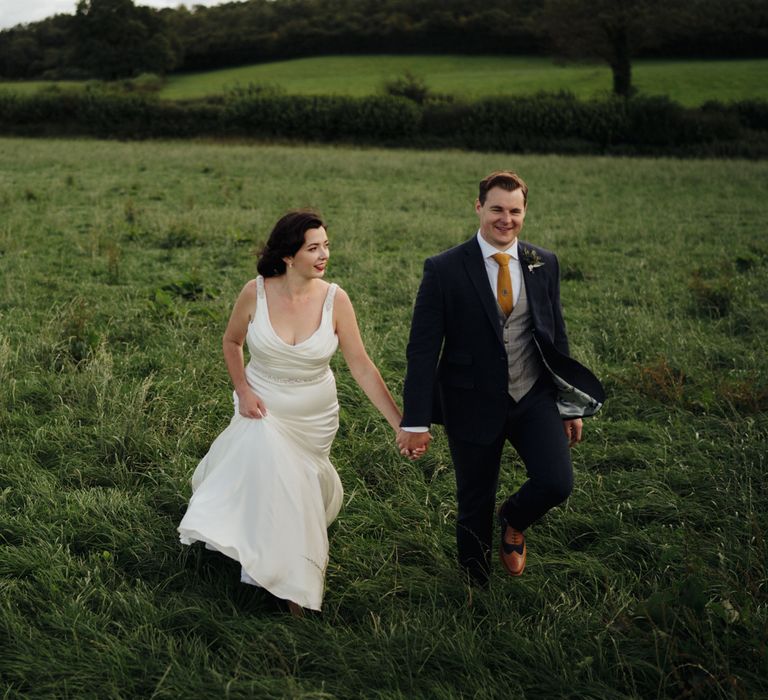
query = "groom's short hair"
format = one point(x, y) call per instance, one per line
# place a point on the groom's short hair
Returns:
point(507, 180)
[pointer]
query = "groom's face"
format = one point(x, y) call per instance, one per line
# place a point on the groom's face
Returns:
point(501, 216)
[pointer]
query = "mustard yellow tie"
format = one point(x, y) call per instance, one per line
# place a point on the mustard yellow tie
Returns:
point(504, 283)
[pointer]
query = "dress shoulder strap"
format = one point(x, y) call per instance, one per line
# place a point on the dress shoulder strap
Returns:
point(260, 287)
point(329, 296)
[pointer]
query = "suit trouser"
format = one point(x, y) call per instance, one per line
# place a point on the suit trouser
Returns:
point(535, 429)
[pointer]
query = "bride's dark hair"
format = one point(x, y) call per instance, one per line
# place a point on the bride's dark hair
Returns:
point(285, 240)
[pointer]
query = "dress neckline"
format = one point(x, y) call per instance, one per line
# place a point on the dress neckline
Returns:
point(263, 295)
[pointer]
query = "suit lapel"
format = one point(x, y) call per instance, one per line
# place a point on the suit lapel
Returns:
point(475, 266)
point(532, 281)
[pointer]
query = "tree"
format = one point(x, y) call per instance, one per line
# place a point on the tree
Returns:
point(610, 30)
point(116, 39)
point(714, 28)
point(18, 54)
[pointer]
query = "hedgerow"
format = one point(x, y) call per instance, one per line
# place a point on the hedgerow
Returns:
point(542, 123)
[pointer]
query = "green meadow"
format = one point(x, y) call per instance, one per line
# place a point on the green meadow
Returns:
point(119, 263)
point(690, 82)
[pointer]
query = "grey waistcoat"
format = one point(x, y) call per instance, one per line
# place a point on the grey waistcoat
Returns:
point(523, 361)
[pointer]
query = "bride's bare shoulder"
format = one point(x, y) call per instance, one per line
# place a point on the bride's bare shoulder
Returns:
point(249, 291)
point(247, 298)
point(341, 302)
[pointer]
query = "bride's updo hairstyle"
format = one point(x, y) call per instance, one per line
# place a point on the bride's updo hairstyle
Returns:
point(285, 240)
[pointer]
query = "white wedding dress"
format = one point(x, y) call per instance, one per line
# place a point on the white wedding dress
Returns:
point(266, 491)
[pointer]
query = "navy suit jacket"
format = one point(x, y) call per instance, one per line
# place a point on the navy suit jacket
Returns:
point(457, 364)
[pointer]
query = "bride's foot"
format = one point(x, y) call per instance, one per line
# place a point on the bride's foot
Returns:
point(295, 609)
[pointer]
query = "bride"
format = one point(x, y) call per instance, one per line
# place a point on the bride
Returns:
point(265, 492)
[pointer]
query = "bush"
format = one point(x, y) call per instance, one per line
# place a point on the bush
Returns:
point(106, 115)
point(657, 121)
point(409, 86)
point(324, 117)
point(541, 123)
point(253, 90)
point(753, 114)
point(144, 84)
point(510, 123)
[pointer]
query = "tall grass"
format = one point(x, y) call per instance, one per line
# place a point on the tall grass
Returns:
point(118, 266)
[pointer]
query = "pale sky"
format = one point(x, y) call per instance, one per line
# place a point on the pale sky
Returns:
point(13, 12)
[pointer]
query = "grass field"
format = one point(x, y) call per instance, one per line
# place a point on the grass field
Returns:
point(688, 82)
point(29, 87)
point(118, 266)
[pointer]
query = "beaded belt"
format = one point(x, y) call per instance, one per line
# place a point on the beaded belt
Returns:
point(290, 380)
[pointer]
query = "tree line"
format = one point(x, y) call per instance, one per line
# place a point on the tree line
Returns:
point(111, 39)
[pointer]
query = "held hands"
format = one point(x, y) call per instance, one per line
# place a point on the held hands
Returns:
point(250, 405)
point(413, 445)
point(572, 428)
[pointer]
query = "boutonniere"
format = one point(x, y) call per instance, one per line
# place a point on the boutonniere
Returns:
point(531, 259)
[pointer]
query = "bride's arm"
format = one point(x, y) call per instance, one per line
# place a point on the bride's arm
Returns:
point(360, 365)
point(250, 405)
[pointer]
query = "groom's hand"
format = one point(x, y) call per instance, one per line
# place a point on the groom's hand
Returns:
point(572, 428)
point(413, 445)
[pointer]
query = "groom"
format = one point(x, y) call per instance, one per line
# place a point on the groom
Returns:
point(488, 358)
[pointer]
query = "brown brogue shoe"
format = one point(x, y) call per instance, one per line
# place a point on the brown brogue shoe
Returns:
point(512, 550)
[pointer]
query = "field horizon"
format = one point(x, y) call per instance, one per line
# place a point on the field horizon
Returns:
point(119, 263)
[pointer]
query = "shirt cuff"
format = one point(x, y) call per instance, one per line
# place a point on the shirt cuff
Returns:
point(415, 429)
